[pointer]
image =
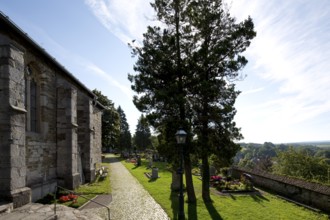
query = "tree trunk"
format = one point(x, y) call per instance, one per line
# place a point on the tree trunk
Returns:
point(189, 181)
point(206, 179)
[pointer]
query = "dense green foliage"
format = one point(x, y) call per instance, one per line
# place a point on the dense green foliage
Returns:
point(110, 122)
point(299, 163)
point(185, 74)
point(304, 161)
point(142, 135)
point(125, 137)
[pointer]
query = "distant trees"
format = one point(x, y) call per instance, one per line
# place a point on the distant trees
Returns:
point(125, 137)
point(142, 137)
point(110, 122)
point(115, 129)
point(301, 161)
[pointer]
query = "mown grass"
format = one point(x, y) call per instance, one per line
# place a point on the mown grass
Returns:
point(263, 206)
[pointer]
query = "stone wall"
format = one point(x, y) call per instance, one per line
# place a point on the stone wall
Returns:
point(311, 194)
point(67, 129)
point(12, 124)
point(34, 161)
point(85, 139)
point(41, 145)
point(97, 134)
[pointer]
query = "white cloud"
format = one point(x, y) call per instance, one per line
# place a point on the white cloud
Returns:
point(252, 91)
point(101, 73)
point(126, 19)
point(291, 53)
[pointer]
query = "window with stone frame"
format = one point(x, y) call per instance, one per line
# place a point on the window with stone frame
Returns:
point(31, 99)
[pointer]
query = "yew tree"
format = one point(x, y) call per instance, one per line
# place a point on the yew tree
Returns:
point(214, 63)
point(159, 81)
point(186, 73)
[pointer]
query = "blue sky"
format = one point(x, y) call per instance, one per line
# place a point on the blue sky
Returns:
point(285, 95)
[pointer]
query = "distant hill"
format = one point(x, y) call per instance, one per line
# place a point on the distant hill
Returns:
point(312, 143)
point(321, 144)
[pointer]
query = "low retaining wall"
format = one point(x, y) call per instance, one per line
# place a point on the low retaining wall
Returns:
point(311, 194)
point(41, 190)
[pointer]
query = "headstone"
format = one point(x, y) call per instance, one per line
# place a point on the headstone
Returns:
point(154, 173)
point(138, 161)
point(212, 171)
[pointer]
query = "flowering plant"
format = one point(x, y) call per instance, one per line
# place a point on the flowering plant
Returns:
point(216, 178)
point(69, 197)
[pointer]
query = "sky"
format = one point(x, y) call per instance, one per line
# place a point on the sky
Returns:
point(285, 94)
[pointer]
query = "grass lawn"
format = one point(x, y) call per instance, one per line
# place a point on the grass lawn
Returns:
point(265, 206)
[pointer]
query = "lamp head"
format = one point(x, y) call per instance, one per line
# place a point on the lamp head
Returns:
point(180, 136)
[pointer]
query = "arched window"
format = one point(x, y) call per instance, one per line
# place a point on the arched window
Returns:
point(31, 100)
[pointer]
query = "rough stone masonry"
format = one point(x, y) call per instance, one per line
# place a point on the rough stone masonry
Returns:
point(50, 123)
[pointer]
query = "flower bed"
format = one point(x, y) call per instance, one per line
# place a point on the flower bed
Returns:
point(67, 198)
point(229, 185)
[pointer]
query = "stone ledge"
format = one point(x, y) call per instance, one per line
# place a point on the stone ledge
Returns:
point(6, 207)
point(21, 196)
point(18, 109)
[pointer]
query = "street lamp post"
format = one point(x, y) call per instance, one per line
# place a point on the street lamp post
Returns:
point(181, 140)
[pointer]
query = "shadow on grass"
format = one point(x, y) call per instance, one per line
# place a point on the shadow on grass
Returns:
point(192, 207)
point(152, 180)
point(212, 211)
point(174, 204)
point(232, 196)
point(258, 197)
point(99, 179)
point(192, 211)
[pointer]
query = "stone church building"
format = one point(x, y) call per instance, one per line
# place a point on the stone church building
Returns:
point(50, 123)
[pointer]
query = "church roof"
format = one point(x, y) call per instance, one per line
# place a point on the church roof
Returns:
point(7, 25)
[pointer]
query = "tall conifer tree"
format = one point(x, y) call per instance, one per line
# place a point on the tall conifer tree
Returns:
point(125, 137)
point(186, 71)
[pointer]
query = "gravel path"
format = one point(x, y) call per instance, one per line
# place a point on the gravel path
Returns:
point(130, 201)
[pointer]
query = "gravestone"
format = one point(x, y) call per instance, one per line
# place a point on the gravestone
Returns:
point(212, 171)
point(150, 163)
point(138, 161)
point(154, 173)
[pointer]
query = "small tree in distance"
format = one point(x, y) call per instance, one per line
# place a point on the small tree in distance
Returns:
point(125, 137)
point(110, 122)
point(142, 134)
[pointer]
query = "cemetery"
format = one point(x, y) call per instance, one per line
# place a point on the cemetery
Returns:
point(226, 193)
